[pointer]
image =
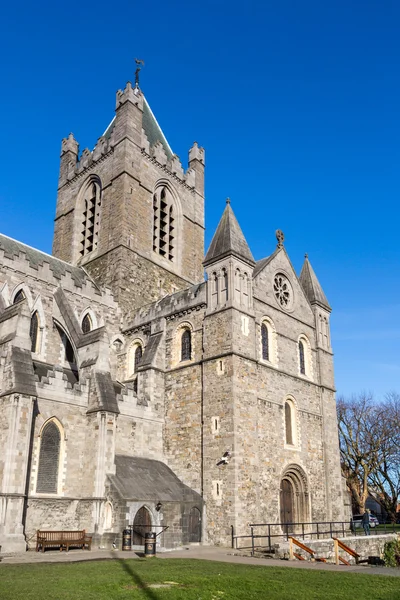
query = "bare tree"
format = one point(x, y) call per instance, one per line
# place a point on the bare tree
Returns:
point(369, 435)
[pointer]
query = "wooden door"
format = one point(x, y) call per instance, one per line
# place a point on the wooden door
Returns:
point(287, 509)
point(141, 525)
point(194, 525)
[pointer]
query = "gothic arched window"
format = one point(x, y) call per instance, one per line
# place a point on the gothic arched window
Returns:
point(49, 456)
point(20, 295)
point(186, 345)
point(90, 218)
point(163, 224)
point(302, 362)
point(34, 331)
point(288, 424)
point(86, 324)
point(264, 342)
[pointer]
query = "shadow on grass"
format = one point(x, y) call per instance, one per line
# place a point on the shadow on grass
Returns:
point(129, 569)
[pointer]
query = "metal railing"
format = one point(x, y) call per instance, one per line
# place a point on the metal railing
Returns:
point(262, 535)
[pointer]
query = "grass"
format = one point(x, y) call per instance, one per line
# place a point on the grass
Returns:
point(187, 580)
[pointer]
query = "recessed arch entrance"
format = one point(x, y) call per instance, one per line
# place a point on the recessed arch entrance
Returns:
point(141, 525)
point(294, 496)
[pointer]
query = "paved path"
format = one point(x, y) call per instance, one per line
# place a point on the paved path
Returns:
point(214, 553)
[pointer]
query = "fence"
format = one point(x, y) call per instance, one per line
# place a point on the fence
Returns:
point(270, 533)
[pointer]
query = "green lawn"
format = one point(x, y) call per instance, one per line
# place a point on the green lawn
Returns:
point(186, 580)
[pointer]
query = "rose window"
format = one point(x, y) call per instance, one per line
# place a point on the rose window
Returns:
point(283, 291)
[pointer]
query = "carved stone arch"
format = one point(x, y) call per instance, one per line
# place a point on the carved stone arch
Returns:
point(294, 497)
point(64, 350)
point(142, 523)
point(22, 287)
point(131, 357)
point(41, 337)
point(108, 516)
point(172, 251)
point(117, 342)
point(177, 342)
point(92, 316)
point(50, 458)
point(294, 425)
point(88, 201)
point(268, 323)
point(305, 361)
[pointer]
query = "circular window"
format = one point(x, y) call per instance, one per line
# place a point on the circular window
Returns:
point(283, 291)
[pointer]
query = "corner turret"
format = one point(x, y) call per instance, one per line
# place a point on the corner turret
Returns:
point(69, 158)
point(229, 265)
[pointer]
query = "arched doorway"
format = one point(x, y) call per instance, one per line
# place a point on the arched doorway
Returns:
point(194, 525)
point(287, 502)
point(141, 525)
point(294, 497)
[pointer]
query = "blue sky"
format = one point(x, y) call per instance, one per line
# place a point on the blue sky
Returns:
point(297, 105)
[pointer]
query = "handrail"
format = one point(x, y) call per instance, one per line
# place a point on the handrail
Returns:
point(310, 551)
point(292, 541)
point(339, 544)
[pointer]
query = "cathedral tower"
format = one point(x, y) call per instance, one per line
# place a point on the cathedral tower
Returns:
point(128, 212)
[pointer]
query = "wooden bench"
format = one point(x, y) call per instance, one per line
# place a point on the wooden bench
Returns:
point(62, 539)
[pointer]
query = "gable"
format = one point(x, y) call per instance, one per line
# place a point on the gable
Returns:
point(290, 299)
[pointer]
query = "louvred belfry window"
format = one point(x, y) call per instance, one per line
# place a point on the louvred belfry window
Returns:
point(90, 218)
point(47, 479)
point(164, 224)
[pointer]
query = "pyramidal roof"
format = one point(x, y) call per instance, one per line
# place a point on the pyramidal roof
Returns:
point(311, 286)
point(228, 240)
point(151, 127)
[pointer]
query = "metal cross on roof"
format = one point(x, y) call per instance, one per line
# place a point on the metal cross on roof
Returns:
point(138, 62)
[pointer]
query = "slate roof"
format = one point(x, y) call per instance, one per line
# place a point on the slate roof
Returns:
point(260, 264)
point(144, 479)
point(36, 258)
point(151, 127)
point(311, 286)
point(228, 240)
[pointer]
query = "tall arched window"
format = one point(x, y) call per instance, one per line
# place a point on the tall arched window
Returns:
point(186, 345)
point(90, 217)
point(264, 342)
point(49, 457)
point(34, 331)
point(86, 324)
point(302, 362)
point(138, 358)
point(20, 295)
point(288, 423)
point(164, 223)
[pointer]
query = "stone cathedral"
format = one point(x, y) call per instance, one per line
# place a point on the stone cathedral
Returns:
point(145, 382)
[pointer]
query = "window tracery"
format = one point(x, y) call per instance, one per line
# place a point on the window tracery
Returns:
point(283, 291)
point(49, 457)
